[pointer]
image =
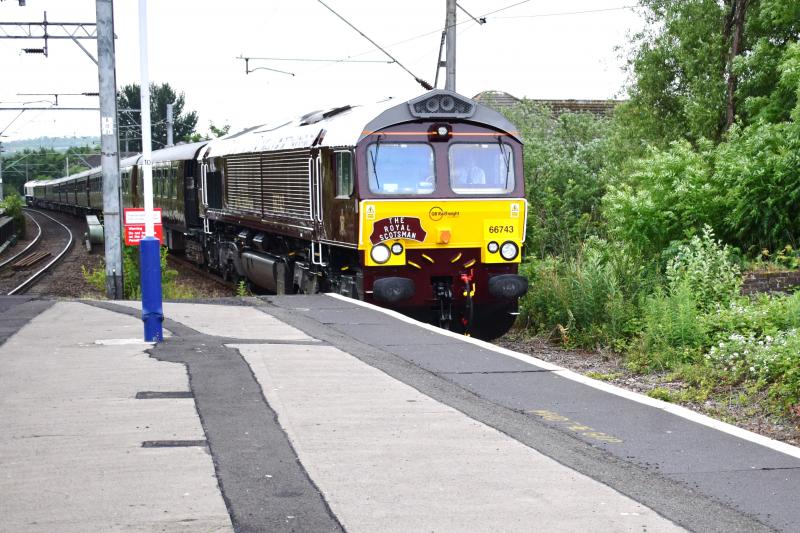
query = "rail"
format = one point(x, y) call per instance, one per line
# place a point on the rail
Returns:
point(33, 243)
point(28, 282)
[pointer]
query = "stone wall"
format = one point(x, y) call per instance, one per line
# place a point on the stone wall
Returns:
point(756, 282)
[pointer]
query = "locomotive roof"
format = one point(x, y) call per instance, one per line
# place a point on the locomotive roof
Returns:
point(343, 126)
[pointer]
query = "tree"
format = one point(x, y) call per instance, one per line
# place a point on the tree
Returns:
point(213, 133)
point(219, 132)
point(734, 30)
point(701, 65)
point(128, 105)
point(678, 71)
point(44, 163)
point(768, 71)
point(564, 157)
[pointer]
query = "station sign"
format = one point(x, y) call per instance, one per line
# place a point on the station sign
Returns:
point(134, 222)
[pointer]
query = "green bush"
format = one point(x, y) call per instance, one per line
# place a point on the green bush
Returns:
point(13, 205)
point(772, 362)
point(747, 188)
point(591, 299)
point(131, 283)
point(564, 161)
point(705, 267)
point(759, 170)
point(673, 333)
point(668, 196)
point(757, 316)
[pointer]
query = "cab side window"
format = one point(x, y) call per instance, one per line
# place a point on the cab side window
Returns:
point(343, 166)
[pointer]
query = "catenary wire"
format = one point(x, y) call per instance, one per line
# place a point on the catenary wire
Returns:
point(563, 13)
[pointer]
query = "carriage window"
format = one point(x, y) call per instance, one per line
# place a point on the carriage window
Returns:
point(174, 174)
point(481, 168)
point(395, 168)
point(344, 174)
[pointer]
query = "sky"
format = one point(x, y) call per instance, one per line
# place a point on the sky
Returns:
point(552, 49)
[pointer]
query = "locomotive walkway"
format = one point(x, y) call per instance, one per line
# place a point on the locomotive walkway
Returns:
point(317, 413)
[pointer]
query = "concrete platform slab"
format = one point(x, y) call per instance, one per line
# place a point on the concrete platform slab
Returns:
point(389, 458)
point(71, 452)
point(241, 322)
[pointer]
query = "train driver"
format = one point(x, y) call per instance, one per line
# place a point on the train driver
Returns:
point(467, 170)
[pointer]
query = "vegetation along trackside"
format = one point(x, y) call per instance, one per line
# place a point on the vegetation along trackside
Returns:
point(641, 225)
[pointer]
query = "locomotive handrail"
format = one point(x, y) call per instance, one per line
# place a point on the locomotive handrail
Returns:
point(32, 243)
point(28, 282)
point(318, 164)
point(311, 197)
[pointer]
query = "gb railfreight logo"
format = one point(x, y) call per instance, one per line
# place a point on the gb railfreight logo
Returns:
point(437, 213)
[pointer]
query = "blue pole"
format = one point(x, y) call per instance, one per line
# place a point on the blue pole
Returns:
point(150, 247)
point(150, 268)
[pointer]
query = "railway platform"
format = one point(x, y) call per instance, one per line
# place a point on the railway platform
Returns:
point(319, 413)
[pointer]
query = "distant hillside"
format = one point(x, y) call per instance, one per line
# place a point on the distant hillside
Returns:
point(56, 143)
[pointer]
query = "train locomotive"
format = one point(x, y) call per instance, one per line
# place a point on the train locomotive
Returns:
point(418, 206)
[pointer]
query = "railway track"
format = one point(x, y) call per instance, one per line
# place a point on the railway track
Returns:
point(22, 270)
point(25, 250)
point(186, 265)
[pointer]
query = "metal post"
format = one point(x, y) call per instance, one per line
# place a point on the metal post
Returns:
point(1, 171)
point(169, 125)
point(149, 247)
point(109, 147)
point(450, 80)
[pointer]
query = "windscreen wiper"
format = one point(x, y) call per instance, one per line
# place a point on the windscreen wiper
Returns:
point(374, 158)
point(506, 158)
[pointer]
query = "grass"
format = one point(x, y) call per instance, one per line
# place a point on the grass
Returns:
point(171, 288)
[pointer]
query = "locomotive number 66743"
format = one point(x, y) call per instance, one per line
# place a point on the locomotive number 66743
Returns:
point(417, 205)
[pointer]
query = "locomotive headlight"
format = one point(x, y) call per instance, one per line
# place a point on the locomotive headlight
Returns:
point(380, 253)
point(509, 250)
point(442, 131)
point(397, 248)
point(493, 247)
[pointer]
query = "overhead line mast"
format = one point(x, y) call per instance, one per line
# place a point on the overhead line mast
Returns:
point(101, 31)
point(450, 77)
point(109, 147)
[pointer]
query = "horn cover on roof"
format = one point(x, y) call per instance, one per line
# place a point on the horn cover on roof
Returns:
point(462, 109)
point(440, 104)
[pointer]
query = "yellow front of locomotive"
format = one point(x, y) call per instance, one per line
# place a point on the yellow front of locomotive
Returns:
point(481, 231)
point(442, 217)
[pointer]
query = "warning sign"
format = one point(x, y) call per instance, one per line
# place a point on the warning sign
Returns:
point(134, 221)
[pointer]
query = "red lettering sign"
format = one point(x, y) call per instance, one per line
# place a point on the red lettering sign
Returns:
point(134, 223)
point(392, 228)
